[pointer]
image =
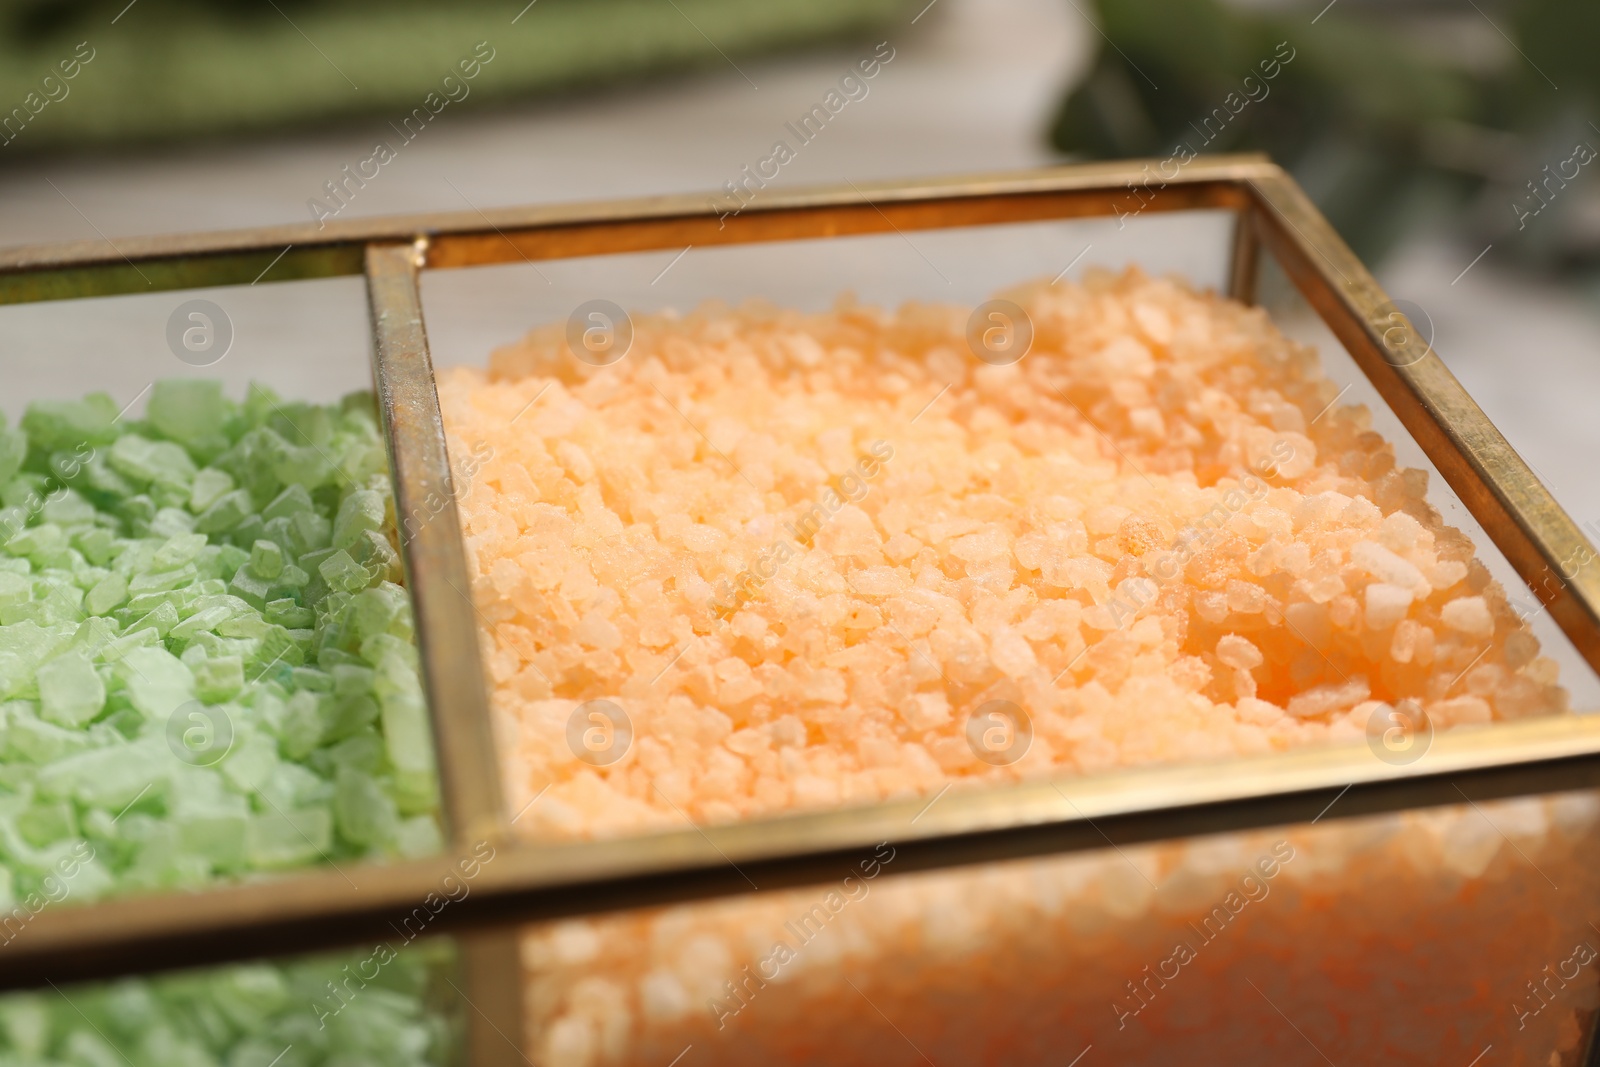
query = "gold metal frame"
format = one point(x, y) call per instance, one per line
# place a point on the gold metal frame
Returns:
point(320, 909)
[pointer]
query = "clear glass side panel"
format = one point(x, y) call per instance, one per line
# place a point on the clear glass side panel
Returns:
point(795, 525)
point(394, 1003)
point(207, 665)
point(1298, 321)
point(1455, 935)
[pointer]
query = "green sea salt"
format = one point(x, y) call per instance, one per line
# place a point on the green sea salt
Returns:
point(345, 1010)
point(192, 590)
point(206, 671)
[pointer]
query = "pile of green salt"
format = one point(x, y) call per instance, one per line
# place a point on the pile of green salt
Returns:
point(245, 1015)
point(206, 671)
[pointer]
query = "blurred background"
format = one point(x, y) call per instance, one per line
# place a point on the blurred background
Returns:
point(1451, 141)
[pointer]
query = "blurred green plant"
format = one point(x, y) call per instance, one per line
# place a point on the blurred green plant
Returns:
point(1387, 116)
point(175, 69)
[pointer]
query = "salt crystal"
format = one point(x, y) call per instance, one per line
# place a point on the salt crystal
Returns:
point(1155, 321)
point(788, 730)
point(990, 544)
point(1360, 512)
point(1469, 845)
point(1323, 699)
point(1238, 652)
point(1385, 566)
point(1399, 532)
point(1258, 712)
point(1148, 633)
point(1402, 647)
point(749, 625)
point(570, 1042)
point(70, 692)
point(850, 533)
point(700, 538)
point(1012, 653)
point(1246, 598)
point(1459, 711)
point(1148, 421)
point(1386, 605)
point(927, 711)
point(1324, 588)
point(1211, 606)
point(1468, 615)
point(901, 547)
point(1296, 559)
point(596, 631)
point(1446, 574)
point(663, 997)
point(880, 581)
point(1105, 518)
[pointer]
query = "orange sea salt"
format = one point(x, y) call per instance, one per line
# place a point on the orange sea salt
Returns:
point(1133, 534)
point(1414, 939)
point(801, 550)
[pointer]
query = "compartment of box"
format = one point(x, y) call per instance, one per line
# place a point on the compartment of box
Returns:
point(1395, 765)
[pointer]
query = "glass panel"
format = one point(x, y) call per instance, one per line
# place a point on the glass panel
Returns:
point(803, 524)
point(471, 312)
point(1297, 320)
point(393, 1004)
point(206, 659)
point(1418, 938)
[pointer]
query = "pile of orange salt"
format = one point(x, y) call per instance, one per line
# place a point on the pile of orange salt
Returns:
point(800, 551)
point(1136, 534)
